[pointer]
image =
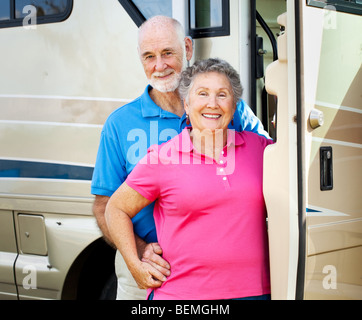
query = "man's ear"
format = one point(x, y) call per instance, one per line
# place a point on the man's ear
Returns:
point(189, 48)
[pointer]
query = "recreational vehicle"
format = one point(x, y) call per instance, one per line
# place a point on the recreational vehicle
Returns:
point(65, 65)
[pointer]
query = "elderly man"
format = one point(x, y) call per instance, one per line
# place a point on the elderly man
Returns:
point(154, 117)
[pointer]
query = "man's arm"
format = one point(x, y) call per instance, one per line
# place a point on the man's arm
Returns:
point(150, 253)
point(99, 208)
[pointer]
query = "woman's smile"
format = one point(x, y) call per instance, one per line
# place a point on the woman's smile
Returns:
point(211, 116)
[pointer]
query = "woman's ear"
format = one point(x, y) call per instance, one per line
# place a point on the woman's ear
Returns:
point(235, 106)
point(187, 110)
point(186, 107)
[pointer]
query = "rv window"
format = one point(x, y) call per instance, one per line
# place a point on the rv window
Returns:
point(209, 18)
point(4, 10)
point(154, 7)
point(43, 7)
point(140, 10)
point(31, 12)
point(350, 6)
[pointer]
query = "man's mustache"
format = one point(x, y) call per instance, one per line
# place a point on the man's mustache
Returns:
point(162, 74)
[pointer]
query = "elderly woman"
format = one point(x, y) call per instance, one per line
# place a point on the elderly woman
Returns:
point(209, 211)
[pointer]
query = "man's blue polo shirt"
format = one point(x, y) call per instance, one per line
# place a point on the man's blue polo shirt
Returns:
point(127, 134)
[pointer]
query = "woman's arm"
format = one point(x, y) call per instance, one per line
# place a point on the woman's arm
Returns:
point(124, 204)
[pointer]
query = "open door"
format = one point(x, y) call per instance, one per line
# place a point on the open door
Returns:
point(312, 175)
point(331, 105)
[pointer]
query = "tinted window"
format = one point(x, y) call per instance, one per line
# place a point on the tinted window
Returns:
point(151, 8)
point(141, 10)
point(205, 14)
point(4, 10)
point(43, 7)
point(14, 12)
point(209, 18)
point(350, 6)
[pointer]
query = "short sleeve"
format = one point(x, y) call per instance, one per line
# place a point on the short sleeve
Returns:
point(268, 142)
point(265, 142)
point(256, 142)
point(144, 178)
point(109, 171)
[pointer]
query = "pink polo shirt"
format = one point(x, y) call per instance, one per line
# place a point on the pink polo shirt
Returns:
point(209, 216)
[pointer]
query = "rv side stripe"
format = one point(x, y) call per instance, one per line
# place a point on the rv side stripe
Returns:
point(51, 123)
point(43, 170)
point(338, 142)
point(313, 211)
point(336, 106)
point(28, 96)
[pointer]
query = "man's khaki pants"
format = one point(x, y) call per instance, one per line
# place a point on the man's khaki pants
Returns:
point(127, 288)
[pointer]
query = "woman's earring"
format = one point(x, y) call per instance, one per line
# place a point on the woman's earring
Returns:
point(232, 121)
point(187, 119)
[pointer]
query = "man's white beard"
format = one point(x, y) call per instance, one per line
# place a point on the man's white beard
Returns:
point(171, 84)
point(168, 85)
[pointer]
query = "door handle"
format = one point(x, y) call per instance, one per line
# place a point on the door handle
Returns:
point(326, 168)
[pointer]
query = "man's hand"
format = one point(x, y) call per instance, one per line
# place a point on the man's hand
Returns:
point(152, 254)
point(146, 276)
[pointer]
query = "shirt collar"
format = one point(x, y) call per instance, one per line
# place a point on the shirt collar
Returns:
point(151, 109)
point(234, 138)
point(183, 142)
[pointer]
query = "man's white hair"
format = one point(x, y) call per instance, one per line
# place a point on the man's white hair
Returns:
point(163, 22)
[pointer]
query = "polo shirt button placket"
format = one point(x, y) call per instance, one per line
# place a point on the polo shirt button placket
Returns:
point(225, 181)
point(222, 172)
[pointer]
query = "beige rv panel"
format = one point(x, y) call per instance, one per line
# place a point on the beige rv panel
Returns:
point(58, 84)
point(66, 237)
point(68, 77)
point(84, 56)
point(332, 60)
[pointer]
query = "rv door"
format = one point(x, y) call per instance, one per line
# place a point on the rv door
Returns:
point(312, 174)
point(8, 255)
point(331, 144)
